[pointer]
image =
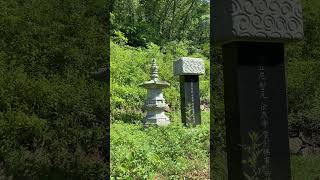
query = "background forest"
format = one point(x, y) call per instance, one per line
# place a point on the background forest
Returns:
point(166, 30)
point(52, 114)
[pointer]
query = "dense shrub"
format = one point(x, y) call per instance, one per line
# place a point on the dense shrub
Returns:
point(171, 153)
point(306, 167)
point(52, 115)
point(303, 95)
point(50, 125)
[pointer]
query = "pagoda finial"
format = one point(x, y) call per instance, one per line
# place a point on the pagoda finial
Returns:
point(154, 69)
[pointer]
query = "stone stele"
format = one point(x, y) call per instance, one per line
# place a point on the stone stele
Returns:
point(188, 66)
point(257, 20)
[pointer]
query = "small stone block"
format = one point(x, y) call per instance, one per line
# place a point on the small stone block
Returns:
point(257, 20)
point(188, 66)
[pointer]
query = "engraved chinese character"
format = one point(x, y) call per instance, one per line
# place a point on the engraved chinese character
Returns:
point(261, 68)
point(262, 75)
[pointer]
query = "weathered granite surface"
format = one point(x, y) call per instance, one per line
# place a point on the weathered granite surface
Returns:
point(155, 103)
point(257, 20)
point(188, 66)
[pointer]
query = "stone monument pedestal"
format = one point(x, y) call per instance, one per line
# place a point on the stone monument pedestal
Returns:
point(189, 70)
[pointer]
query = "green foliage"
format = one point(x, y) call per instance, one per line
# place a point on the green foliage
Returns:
point(255, 152)
point(52, 116)
point(53, 36)
point(303, 95)
point(161, 21)
point(52, 124)
point(172, 152)
point(309, 48)
point(305, 167)
point(311, 44)
point(119, 38)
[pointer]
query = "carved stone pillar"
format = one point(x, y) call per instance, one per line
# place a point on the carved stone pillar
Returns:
point(252, 34)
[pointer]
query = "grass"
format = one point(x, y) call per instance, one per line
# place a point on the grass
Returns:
point(172, 152)
point(176, 152)
point(305, 167)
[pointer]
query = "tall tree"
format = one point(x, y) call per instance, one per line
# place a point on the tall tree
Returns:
point(161, 21)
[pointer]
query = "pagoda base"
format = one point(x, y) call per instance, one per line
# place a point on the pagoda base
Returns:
point(158, 118)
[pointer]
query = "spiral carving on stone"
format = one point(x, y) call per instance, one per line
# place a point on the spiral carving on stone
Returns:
point(249, 7)
point(260, 6)
point(274, 7)
point(278, 19)
point(271, 18)
point(257, 22)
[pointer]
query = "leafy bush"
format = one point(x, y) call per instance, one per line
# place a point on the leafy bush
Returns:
point(52, 115)
point(303, 95)
point(50, 125)
point(305, 167)
point(171, 152)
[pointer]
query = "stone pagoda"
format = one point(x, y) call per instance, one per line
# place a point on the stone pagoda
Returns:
point(155, 102)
